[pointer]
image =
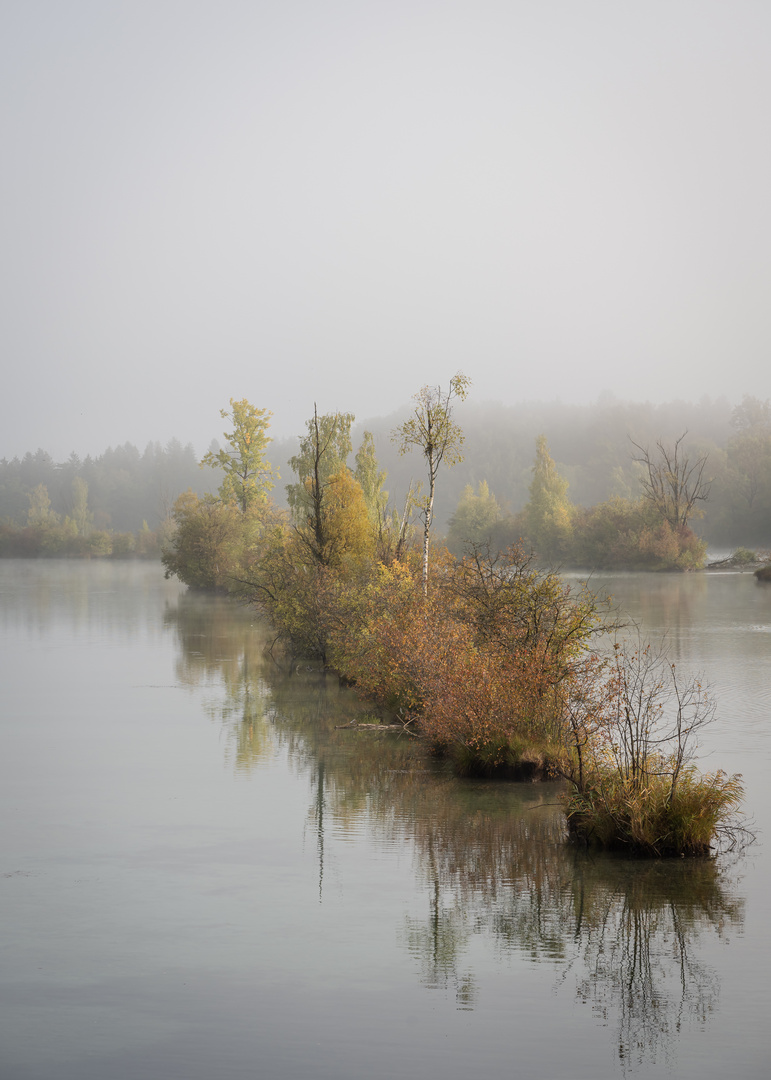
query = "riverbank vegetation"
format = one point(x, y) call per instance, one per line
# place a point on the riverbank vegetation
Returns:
point(488, 657)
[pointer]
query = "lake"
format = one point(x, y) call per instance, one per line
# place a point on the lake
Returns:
point(203, 874)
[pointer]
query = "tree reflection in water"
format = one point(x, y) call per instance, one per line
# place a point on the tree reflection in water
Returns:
point(219, 648)
point(637, 931)
point(623, 935)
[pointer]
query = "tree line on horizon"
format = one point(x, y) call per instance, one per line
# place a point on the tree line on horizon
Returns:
point(119, 502)
point(591, 448)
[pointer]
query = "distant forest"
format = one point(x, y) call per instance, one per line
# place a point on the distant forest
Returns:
point(125, 488)
point(592, 447)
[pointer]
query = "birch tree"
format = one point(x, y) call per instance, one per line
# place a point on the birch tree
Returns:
point(432, 430)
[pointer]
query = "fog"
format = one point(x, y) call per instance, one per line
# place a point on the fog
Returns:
point(338, 202)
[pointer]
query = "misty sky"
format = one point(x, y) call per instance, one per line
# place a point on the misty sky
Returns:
point(340, 201)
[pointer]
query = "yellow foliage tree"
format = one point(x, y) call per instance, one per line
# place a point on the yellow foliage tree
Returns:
point(248, 476)
point(347, 527)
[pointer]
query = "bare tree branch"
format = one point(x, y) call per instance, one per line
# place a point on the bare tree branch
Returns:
point(673, 483)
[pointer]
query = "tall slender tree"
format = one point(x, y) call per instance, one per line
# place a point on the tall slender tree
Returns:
point(371, 478)
point(81, 515)
point(433, 431)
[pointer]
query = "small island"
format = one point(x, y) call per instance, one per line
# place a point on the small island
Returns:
point(489, 658)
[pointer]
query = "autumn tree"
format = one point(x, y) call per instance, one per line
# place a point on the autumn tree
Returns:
point(40, 515)
point(309, 569)
point(343, 529)
point(248, 475)
point(432, 430)
point(324, 451)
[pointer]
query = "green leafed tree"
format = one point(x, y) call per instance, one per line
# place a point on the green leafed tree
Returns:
point(548, 514)
point(206, 546)
point(81, 515)
point(432, 430)
point(475, 518)
point(40, 515)
point(371, 479)
point(248, 475)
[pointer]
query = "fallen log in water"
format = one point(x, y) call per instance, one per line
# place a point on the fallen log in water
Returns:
point(354, 726)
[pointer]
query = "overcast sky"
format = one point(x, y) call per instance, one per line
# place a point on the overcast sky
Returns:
point(312, 200)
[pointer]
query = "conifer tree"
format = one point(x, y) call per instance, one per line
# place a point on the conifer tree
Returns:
point(548, 514)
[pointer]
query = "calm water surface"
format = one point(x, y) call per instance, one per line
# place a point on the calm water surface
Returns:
point(202, 876)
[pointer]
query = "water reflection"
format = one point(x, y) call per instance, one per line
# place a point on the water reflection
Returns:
point(220, 649)
point(80, 596)
point(637, 934)
point(626, 939)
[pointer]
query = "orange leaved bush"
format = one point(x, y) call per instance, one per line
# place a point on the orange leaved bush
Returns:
point(478, 659)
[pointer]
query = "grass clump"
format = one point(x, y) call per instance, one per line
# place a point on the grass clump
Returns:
point(653, 820)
